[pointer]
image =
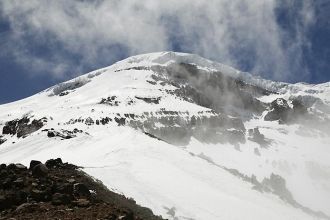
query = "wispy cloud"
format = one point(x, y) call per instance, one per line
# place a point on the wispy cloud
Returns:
point(238, 33)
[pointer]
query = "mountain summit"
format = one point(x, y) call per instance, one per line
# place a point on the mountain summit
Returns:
point(184, 136)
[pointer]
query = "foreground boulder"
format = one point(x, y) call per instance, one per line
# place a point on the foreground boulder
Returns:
point(54, 163)
point(40, 170)
point(34, 163)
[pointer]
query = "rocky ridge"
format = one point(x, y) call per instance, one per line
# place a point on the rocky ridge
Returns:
point(57, 190)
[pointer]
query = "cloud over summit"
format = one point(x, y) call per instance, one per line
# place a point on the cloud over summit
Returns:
point(63, 38)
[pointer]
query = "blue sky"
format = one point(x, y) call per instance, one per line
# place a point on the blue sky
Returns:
point(46, 42)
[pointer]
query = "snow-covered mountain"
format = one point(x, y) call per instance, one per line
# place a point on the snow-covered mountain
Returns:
point(185, 136)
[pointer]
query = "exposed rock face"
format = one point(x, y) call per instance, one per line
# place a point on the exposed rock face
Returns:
point(23, 127)
point(64, 193)
point(280, 110)
point(67, 87)
point(110, 101)
point(63, 134)
point(89, 121)
point(64, 93)
point(211, 89)
point(120, 121)
point(2, 139)
point(149, 99)
point(231, 99)
point(207, 88)
point(178, 127)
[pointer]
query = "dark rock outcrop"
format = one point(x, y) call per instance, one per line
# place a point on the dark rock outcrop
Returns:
point(23, 127)
point(89, 121)
point(120, 121)
point(64, 134)
point(105, 120)
point(51, 134)
point(110, 101)
point(149, 100)
point(179, 127)
point(64, 93)
point(210, 89)
point(65, 88)
point(280, 110)
point(2, 139)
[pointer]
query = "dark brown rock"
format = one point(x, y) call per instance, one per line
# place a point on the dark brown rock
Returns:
point(60, 199)
point(19, 182)
point(82, 203)
point(40, 170)
point(127, 216)
point(5, 202)
point(53, 163)
point(81, 190)
point(20, 167)
point(34, 163)
point(29, 208)
point(40, 195)
point(3, 166)
point(7, 183)
point(11, 166)
point(64, 188)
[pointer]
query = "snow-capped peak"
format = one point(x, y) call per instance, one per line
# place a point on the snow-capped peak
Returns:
point(185, 136)
point(170, 57)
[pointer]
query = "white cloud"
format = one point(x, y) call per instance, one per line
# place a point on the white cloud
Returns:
point(213, 29)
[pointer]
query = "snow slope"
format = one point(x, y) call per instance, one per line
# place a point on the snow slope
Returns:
point(178, 181)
